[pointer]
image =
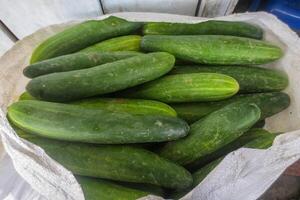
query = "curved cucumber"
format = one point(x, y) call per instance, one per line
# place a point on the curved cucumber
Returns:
point(81, 36)
point(187, 88)
point(76, 123)
point(253, 135)
point(95, 189)
point(102, 79)
point(123, 43)
point(251, 79)
point(211, 27)
point(74, 61)
point(269, 103)
point(114, 162)
point(214, 49)
point(132, 106)
point(211, 133)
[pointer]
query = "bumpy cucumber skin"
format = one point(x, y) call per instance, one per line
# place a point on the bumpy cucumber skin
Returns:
point(133, 106)
point(114, 162)
point(81, 36)
point(186, 88)
point(123, 43)
point(211, 27)
point(102, 79)
point(269, 103)
point(214, 49)
point(76, 123)
point(95, 189)
point(74, 61)
point(254, 134)
point(251, 79)
point(211, 133)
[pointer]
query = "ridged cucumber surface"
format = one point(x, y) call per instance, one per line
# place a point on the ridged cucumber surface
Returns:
point(102, 79)
point(114, 162)
point(77, 123)
point(186, 88)
point(269, 103)
point(214, 49)
point(81, 36)
point(251, 79)
point(74, 61)
point(212, 133)
point(123, 43)
point(211, 27)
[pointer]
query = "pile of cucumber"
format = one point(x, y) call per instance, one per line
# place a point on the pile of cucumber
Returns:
point(137, 108)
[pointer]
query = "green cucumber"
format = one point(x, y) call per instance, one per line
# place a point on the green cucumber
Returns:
point(81, 36)
point(132, 106)
point(211, 27)
point(149, 188)
point(74, 61)
point(251, 79)
point(249, 136)
point(123, 43)
point(262, 141)
point(96, 189)
point(186, 88)
point(102, 79)
point(269, 103)
point(77, 123)
point(212, 132)
point(214, 49)
point(114, 162)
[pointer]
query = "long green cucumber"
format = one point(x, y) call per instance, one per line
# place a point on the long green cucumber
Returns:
point(211, 133)
point(249, 136)
point(123, 43)
point(74, 61)
point(269, 103)
point(211, 27)
point(102, 79)
point(114, 162)
point(263, 141)
point(186, 88)
point(77, 123)
point(214, 49)
point(96, 189)
point(149, 188)
point(132, 106)
point(81, 36)
point(251, 79)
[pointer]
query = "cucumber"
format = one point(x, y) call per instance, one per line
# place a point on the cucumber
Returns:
point(132, 106)
point(123, 43)
point(251, 79)
point(211, 27)
point(102, 79)
point(211, 133)
point(249, 136)
point(214, 49)
point(81, 36)
point(262, 141)
point(186, 88)
point(74, 61)
point(96, 189)
point(76, 123)
point(269, 103)
point(149, 188)
point(114, 162)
